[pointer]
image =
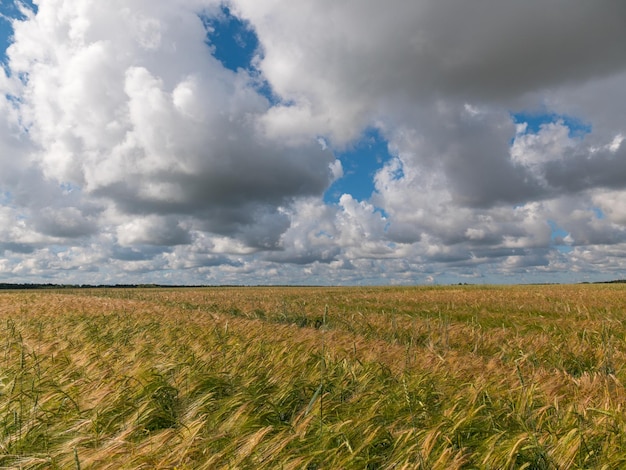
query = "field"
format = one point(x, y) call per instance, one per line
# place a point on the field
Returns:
point(314, 378)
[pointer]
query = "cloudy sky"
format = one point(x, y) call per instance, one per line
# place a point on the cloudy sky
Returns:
point(312, 141)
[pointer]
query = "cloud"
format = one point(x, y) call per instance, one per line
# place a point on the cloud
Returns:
point(590, 168)
point(130, 151)
point(66, 222)
point(125, 102)
point(374, 54)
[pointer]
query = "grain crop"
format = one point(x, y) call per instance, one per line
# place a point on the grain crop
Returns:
point(488, 377)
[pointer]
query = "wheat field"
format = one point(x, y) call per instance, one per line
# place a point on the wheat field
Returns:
point(516, 377)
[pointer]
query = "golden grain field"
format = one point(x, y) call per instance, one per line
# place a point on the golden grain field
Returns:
point(523, 377)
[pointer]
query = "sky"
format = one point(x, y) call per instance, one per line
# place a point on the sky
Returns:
point(343, 142)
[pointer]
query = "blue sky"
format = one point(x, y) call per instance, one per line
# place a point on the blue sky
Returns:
point(5, 28)
point(234, 42)
point(8, 10)
point(534, 121)
point(360, 164)
point(243, 142)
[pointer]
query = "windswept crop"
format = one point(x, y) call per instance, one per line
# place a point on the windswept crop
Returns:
point(314, 378)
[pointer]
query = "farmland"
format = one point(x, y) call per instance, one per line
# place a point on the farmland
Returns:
point(314, 378)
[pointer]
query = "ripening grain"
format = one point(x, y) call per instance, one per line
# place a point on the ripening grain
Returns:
point(312, 378)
